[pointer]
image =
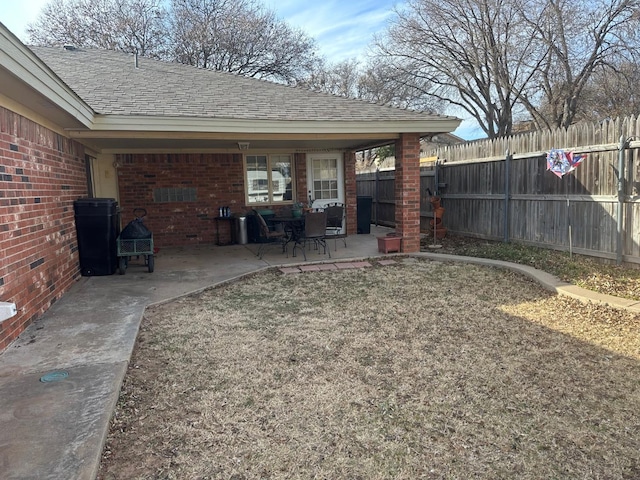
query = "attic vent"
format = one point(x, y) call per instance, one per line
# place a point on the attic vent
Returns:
point(69, 47)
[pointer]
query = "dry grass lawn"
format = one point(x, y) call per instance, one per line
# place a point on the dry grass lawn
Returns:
point(416, 370)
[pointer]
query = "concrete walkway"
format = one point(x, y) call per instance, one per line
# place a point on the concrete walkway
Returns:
point(56, 429)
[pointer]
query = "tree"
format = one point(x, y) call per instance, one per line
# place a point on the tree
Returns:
point(582, 38)
point(377, 81)
point(501, 59)
point(383, 82)
point(340, 78)
point(470, 54)
point(238, 36)
point(241, 37)
point(127, 25)
point(611, 93)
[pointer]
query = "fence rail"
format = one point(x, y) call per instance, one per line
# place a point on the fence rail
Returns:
point(591, 211)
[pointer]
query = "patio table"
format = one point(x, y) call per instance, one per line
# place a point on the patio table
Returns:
point(293, 227)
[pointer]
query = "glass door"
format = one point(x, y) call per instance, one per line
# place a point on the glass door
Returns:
point(325, 173)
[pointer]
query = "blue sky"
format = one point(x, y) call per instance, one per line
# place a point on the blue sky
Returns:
point(15, 14)
point(342, 28)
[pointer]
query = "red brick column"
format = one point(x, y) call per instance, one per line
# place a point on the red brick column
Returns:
point(350, 192)
point(407, 186)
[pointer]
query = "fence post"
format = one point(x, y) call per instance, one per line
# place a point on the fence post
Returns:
point(507, 173)
point(620, 209)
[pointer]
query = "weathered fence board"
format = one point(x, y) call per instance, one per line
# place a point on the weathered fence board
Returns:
point(578, 211)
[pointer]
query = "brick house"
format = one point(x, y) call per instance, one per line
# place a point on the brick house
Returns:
point(176, 140)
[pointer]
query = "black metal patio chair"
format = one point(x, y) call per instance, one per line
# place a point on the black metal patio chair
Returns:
point(315, 230)
point(268, 236)
point(335, 223)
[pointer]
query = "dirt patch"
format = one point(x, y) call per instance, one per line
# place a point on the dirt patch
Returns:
point(416, 370)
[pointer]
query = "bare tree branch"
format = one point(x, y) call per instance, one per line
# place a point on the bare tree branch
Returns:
point(127, 25)
point(582, 38)
point(471, 53)
point(238, 36)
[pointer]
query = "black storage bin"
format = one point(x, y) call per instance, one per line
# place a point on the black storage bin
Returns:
point(253, 229)
point(364, 205)
point(97, 228)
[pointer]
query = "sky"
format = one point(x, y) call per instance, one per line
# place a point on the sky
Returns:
point(343, 29)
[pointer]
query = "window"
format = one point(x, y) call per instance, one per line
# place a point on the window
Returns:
point(325, 178)
point(269, 178)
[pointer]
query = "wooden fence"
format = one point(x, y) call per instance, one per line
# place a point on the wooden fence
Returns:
point(514, 197)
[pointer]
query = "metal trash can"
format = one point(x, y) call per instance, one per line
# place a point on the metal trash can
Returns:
point(242, 236)
point(364, 206)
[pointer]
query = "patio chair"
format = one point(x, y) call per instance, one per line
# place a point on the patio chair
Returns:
point(268, 236)
point(335, 222)
point(315, 229)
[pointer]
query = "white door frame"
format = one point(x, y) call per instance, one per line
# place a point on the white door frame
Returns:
point(340, 198)
point(311, 157)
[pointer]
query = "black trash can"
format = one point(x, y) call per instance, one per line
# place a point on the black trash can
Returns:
point(97, 228)
point(364, 205)
point(253, 229)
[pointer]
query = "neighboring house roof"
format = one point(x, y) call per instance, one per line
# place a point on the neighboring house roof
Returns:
point(438, 140)
point(103, 100)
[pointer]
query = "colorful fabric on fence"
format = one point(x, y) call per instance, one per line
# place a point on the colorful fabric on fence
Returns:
point(561, 162)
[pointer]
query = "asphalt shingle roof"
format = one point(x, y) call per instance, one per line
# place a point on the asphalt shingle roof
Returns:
point(111, 84)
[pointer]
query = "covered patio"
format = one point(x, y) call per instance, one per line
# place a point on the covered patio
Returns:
point(183, 142)
point(183, 269)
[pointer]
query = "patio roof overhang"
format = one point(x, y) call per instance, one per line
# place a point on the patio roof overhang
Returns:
point(125, 134)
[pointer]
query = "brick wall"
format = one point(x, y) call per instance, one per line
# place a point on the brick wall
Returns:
point(302, 193)
point(217, 178)
point(351, 192)
point(41, 174)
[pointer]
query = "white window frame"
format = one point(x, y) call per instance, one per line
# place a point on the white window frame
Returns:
point(271, 195)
